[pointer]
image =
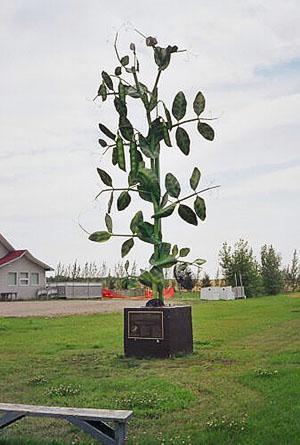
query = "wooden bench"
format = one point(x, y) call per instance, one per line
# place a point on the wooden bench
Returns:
point(92, 421)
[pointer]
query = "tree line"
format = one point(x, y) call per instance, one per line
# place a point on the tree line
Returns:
point(266, 276)
point(90, 271)
point(237, 266)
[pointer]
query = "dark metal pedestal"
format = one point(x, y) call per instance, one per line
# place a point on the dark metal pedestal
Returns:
point(158, 331)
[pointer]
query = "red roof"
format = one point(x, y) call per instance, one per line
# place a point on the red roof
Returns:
point(11, 256)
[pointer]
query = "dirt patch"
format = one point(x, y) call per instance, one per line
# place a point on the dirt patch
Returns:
point(64, 307)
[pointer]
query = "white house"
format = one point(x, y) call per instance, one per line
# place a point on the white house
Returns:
point(21, 274)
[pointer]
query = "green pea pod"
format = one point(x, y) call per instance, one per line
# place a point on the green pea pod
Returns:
point(121, 154)
point(134, 163)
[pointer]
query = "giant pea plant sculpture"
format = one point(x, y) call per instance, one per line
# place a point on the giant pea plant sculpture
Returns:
point(139, 155)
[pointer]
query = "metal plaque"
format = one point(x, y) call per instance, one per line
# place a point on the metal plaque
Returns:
point(145, 325)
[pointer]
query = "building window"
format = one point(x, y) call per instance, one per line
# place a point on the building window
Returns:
point(24, 279)
point(35, 278)
point(12, 278)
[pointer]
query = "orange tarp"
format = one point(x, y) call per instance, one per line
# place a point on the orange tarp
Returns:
point(107, 293)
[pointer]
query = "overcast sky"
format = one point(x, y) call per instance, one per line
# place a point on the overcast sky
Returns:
point(243, 55)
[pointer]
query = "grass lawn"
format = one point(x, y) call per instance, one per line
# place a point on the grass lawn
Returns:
point(240, 386)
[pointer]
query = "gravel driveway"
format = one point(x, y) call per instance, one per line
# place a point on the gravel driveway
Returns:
point(64, 307)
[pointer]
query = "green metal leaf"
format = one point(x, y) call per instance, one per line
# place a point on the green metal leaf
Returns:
point(102, 91)
point(114, 158)
point(206, 131)
point(124, 61)
point(195, 178)
point(184, 252)
point(179, 106)
point(136, 220)
point(162, 57)
point(127, 246)
point(168, 117)
point(164, 200)
point(172, 48)
point(200, 208)
point(107, 79)
point(108, 222)
point(105, 177)
point(164, 212)
point(153, 100)
point(149, 182)
point(140, 158)
point(132, 180)
point(110, 202)
point(175, 250)
point(152, 259)
point(165, 262)
point(145, 232)
point(100, 237)
point(126, 128)
point(145, 100)
point(167, 139)
point(107, 132)
point(157, 275)
point(145, 278)
point(156, 133)
point(146, 196)
point(199, 262)
point(118, 71)
point(172, 185)
point(102, 142)
point(187, 214)
point(199, 103)
point(121, 154)
point(183, 140)
point(120, 106)
point(133, 91)
point(146, 147)
point(122, 91)
point(164, 249)
point(126, 265)
point(123, 201)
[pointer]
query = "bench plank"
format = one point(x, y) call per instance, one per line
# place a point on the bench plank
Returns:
point(9, 418)
point(88, 419)
point(55, 411)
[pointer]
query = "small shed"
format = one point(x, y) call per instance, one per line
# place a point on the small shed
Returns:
point(72, 290)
